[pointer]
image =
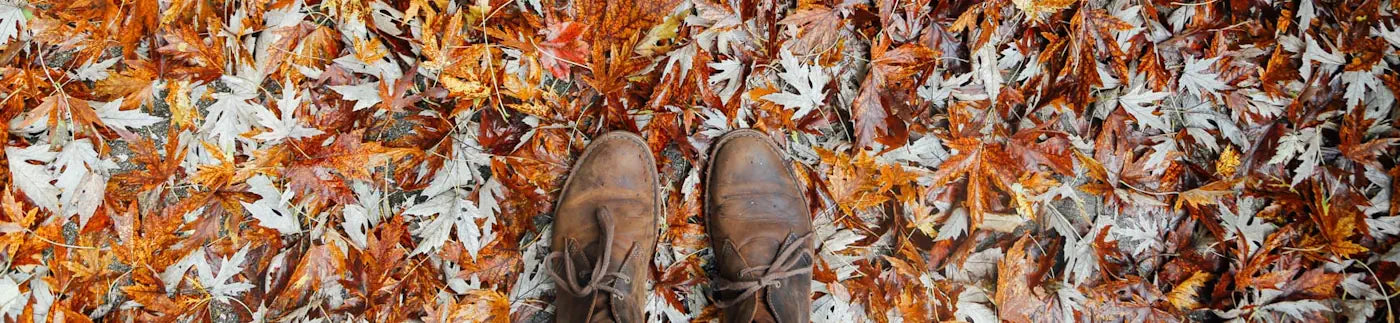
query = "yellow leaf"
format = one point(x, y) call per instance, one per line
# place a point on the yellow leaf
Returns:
point(466, 89)
point(1034, 8)
point(1183, 296)
point(1209, 194)
point(1229, 160)
point(182, 111)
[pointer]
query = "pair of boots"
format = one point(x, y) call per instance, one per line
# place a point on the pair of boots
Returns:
point(607, 218)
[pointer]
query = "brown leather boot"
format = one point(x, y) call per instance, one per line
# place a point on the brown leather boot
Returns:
point(605, 227)
point(761, 231)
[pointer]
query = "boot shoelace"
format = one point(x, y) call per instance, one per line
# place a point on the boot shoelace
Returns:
point(788, 264)
point(569, 282)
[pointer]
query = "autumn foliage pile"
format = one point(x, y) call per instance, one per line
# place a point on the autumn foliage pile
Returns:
point(389, 160)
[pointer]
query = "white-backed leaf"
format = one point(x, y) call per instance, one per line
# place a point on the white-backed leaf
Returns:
point(34, 179)
point(114, 117)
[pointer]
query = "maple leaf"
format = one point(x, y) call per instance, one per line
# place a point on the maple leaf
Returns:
point(364, 94)
point(532, 281)
point(1197, 79)
point(136, 83)
point(231, 115)
point(1209, 194)
point(396, 97)
point(324, 170)
point(1013, 288)
point(562, 47)
point(1303, 144)
point(12, 21)
point(80, 174)
point(288, 126)
point(271, 210)
point(850, 180)
point(983, 163)
point(113, 116)
point(1141, 104)
point(28, 170)
point(808, 80)
point(1354, 145)
point(91, 71)
point(972, 307)
point(454, 210)
point(1300, 310)
point(60, 105)
point(463, 167)
point(1016, 121)
point(9, 296)
point(1037, 8)
point(1183, 295)
point(185, 44)
point(361, 217)
point(613, 22)
point(873, 115)
point(319, 265)
point(217, 284)
point(817, 27)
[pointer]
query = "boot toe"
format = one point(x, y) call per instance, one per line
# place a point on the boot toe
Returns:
point(748, 157)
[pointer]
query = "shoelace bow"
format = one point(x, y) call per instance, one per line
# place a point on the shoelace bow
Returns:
point(788, 264)
point(597, 277)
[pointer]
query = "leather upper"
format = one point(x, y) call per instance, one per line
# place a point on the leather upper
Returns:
point(755, 209)
point(614, 180)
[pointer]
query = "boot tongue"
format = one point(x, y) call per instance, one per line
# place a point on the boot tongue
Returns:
point(763, 313)
point(758, 251)
point(603, 308)
point(762, 251)
point(598, 302)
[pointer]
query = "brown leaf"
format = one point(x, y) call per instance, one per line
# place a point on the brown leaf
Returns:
point(817, 28)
